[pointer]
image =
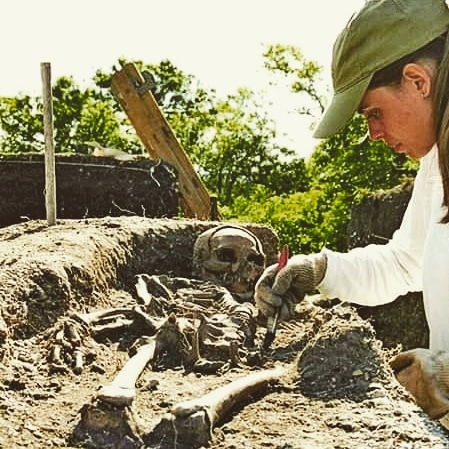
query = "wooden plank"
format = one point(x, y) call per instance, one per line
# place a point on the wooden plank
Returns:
point(159, 139)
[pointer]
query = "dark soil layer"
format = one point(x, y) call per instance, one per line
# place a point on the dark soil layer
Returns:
point(87, 187)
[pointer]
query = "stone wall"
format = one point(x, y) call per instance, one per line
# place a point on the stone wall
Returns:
point(374, 220)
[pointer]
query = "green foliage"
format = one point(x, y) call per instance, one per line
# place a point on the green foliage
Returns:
point(293, 217)
point(68, 104)
point(350, 161)
point(238, 152)
point(78, 116)
point(288, 62)
point(339, 173)
point(232, 145)
point(21, 121)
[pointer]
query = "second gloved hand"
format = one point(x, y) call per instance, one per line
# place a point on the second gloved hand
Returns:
point(283, 289)
point(425, 374)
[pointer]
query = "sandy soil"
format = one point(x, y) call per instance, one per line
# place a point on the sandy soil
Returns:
point(337, 390)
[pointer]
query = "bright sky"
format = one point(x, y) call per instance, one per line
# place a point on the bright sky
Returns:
point(219, 42)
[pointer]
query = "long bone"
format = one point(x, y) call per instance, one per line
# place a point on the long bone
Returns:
point(121, 391)
point(70, 339)
point(102, 320)
point(190, 423)
point(107, 321)
point(104, 315)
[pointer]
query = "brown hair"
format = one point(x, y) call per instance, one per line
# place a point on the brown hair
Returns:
point(391, 75)
point(441, 111)
point(438, 51)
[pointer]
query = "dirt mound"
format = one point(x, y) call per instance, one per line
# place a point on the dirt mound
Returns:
point(338, 391)
point(342, 360)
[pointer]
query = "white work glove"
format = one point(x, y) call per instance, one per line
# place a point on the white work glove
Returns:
point(284, 289)
point(425, 374)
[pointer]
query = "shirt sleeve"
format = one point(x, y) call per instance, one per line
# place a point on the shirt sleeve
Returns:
point(378, 274)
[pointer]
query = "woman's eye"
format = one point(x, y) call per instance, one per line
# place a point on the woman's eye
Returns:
point(374, 114)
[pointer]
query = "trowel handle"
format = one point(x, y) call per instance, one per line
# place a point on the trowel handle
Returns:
point(282, 262)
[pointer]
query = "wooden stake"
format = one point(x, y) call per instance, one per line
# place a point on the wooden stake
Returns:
point(50, 184)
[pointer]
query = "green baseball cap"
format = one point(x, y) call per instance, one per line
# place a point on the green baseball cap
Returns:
point(382, 32)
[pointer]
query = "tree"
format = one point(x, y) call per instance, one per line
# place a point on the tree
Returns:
point(340, 171)
point(21, 122)
point(288, 63)
point(229, 141)
point(78, 116)
point(239, 153)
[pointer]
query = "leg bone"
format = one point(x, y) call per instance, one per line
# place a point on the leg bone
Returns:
point(121, 391)
point(169, 338)
point(105, 315)
point(191, 422)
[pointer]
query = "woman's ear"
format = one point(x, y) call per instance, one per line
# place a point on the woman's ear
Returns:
point(419, 76)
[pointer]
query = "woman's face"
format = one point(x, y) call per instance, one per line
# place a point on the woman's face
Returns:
point(402, 115)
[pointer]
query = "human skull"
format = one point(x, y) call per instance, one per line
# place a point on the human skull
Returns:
point(230, 256)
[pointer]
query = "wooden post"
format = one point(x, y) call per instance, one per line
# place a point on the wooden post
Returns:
point(132, 91)
point(50, 184)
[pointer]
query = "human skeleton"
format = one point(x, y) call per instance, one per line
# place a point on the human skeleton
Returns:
point(205, 325)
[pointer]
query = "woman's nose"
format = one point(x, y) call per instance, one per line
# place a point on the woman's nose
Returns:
point(375, 132)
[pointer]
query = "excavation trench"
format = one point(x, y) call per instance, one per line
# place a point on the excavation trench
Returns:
point(338, 390)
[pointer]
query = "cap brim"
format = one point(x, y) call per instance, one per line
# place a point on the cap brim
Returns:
point(340, 110)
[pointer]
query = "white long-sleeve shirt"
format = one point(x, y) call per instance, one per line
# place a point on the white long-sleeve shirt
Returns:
point(415, 259)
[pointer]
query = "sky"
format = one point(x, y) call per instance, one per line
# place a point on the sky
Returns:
point(219, 42)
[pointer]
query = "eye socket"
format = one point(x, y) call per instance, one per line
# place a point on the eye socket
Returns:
point(373, 114)
point(226, 255)
point(256, 259)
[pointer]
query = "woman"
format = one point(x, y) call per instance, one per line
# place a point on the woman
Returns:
point(391, 64)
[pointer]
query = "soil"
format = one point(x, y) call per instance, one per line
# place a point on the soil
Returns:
point(88, 186)
point(337, 390)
